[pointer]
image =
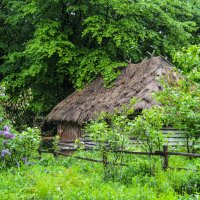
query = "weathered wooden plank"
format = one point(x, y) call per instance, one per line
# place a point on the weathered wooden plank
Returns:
point(172, 137)
point(47, 138)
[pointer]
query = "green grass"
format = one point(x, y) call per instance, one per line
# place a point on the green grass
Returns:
point(68, 178)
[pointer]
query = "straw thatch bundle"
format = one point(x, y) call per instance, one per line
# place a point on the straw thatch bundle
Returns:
point(136, 80)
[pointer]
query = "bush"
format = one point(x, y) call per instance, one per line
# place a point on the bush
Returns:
point(18, 148)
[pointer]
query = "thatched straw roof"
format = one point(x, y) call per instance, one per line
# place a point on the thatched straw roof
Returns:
point(136, 80)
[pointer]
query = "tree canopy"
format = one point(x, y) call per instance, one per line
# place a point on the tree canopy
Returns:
point(52, 47)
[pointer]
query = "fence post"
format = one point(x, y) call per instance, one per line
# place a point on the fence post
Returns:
point(55, 154)
point(40, 153)
point(104, 160)
point(165, 154)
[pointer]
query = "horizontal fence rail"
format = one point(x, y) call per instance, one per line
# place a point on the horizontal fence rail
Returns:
point(173, 138)
point(165, 154)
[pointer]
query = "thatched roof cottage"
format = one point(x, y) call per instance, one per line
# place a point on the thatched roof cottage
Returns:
point(136, 80)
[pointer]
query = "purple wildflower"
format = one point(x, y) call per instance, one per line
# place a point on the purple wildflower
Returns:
point(6, 128)
point(6, 134)
point(5, 152)
point(11, 136)
point(1, 133)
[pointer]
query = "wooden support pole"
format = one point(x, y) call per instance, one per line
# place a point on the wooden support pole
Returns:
point(40, 153)
point(104, 160)
point(165, 154)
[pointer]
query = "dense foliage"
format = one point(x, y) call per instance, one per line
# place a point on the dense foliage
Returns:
point(18, 148)
point(181, 109)
point(188, 60)
point(52, 46)
point(72, 179)
point(181, 101)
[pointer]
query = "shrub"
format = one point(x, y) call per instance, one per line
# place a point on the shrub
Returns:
point(111, 134)
point(18, 148)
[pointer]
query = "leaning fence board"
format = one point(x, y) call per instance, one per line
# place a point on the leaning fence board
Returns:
point(93, 160)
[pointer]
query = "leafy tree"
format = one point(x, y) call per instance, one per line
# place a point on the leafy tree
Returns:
point(188, 60)
point(181, 106)
point(54, 46)
point(181, 102)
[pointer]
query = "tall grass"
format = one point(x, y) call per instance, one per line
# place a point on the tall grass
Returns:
point(69, 178)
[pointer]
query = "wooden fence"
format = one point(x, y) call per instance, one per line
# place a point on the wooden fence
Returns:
point(173, 138)
point(164, 154)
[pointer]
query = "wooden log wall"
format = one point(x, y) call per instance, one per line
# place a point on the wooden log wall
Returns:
point(68, 131)
point(173, 138)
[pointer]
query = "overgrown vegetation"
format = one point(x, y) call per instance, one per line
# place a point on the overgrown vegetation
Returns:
point(72, 179)
point(16, 148)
